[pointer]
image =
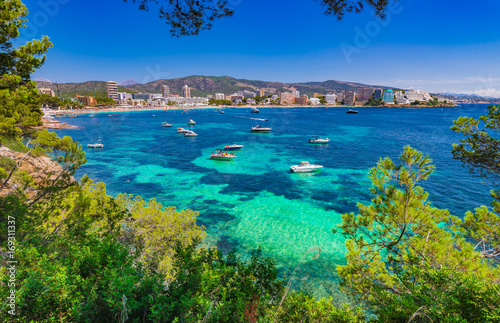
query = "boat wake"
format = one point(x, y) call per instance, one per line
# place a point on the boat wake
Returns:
point(251, 118)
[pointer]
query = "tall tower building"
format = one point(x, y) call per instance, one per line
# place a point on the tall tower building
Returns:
point(112, 89)
point(185, 91)
point(165, 91)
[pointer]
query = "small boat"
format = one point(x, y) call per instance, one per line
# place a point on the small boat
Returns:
point(254, 110)
point(182, 130)
point(91, 115)
point(219, 154)
point(95, 145)
point(352, 111)
point(221, 112)
point(153, 115)
point(191, 122)
point(305, 167)
point(166, 124)
point(257, 128)
point(318, 140)
point(190, 134)
point(233, 147)
point(73, 115)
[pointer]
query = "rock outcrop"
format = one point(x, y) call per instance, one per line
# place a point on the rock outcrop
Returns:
point(41, 169)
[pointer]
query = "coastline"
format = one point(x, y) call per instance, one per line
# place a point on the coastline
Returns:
point(166, 108)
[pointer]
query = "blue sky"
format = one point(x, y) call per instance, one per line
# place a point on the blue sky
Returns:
point(439, 46)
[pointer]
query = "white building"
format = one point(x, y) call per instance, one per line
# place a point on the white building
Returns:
point(331, 98)
point(402, 100)
point(314, 101)
point(188, 101)
point(417, 95)
point(124, 96)
point(220, 96)
point(296, 94)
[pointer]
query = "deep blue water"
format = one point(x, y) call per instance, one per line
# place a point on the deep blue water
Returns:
point(254, 200)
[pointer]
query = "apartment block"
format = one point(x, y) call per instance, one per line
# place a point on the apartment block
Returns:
point(350, 98)
point(112, 90)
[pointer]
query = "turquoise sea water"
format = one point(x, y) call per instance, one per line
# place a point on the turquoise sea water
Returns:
point(254, 200)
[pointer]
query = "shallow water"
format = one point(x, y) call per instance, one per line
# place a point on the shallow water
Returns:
point(254, 200)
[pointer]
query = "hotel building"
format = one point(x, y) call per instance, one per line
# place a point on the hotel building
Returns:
point(112, 89)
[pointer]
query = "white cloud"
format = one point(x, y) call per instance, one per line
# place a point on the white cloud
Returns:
point(494, 93)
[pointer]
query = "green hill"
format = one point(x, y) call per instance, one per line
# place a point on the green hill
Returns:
point(203, 85)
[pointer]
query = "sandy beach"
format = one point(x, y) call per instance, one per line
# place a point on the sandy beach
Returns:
point(156, 108)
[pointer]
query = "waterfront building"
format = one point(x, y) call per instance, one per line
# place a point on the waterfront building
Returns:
point(46, 91)
point(314, 101)
point(251, 101)
point(301, 100)
point(402, 100)
point(417, 95)
point(340, 97)
point(87, 100)
point(365, 94)
point(112, 90)
point(260, 93)
point(124, 96)
point(165, 91)
point(315, 95)
point(249, 94)
point(237, 98)
point(142, 96)
point(296, 94)
point(388, 97)
point(220, 96)
point(286, 98)
point(275, 97)
point(350, 98)
point(377, 94)
point(186, 91)
point(331, 98)
point(187, 101)
point(246, 94)
point(398, 94)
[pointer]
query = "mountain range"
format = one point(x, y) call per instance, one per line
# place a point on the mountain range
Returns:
point(203, 85)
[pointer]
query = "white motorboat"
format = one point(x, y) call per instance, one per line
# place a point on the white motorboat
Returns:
point(166, 124)
point(255, 110)
point(191, 122)
point(219, 154)
point(305, 167)
point(190, 134)
point(233, 147)
point(318, 140)
point(182, 130)
point(98, 145)
point(257, 128)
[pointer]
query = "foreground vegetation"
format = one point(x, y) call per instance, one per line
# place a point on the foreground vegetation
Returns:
point(72, 253)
